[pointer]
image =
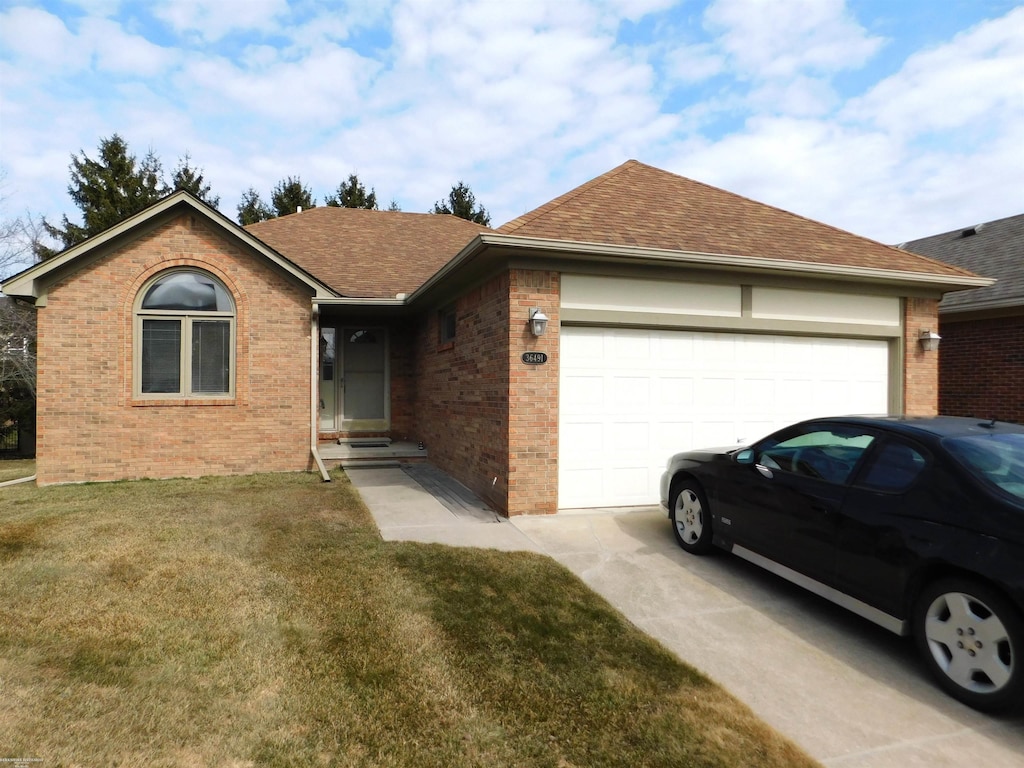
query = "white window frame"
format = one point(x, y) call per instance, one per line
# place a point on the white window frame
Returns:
point(187, 320)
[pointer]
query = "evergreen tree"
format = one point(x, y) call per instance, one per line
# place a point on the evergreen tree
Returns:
point(111, 188)
point(289, 195)
point(191, 180)
point(352, 194)
point(461, 202)
point(252, 209)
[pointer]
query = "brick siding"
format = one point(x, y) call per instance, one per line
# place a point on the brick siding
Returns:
point(533, 395)
point(981, 368)
point(920, 368)
point(89, 425)
point(462, 388)
point(487, 418)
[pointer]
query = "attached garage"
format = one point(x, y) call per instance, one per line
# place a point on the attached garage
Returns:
point(632, 396)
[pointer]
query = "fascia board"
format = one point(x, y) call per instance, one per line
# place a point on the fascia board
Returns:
point(346, 301)
point(29, 282)
point(624, 254)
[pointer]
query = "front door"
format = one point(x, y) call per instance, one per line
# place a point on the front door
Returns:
point(354, 379)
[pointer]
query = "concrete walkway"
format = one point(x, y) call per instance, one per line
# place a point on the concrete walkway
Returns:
point(851, 694)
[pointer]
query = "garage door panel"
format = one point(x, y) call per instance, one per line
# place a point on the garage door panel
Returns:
point(673, 393)
point(631, 394)
point(714, 393)
point(630, 398)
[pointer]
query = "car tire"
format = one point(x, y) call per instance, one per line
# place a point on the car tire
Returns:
point(691, 516)
point(972, 640)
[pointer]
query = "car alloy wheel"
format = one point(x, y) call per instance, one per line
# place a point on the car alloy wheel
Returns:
point(973, 641)
point(691, 517)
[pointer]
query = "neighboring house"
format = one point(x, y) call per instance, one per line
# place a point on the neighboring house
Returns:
point(981, 356)
point(680, 315)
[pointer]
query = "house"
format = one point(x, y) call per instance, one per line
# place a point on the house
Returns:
point(678, 315)
point(981, 360)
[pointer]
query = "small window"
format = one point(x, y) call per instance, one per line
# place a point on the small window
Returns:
point(446, 325)
point(894, 468)
point(184, 337)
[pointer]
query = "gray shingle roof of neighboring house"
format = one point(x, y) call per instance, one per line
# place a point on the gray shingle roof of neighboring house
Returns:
point(993, 249)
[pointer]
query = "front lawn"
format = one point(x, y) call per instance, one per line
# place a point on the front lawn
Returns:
point(261, 621)
point(15, 469)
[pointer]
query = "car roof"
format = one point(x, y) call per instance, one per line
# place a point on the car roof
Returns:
point(938, 426)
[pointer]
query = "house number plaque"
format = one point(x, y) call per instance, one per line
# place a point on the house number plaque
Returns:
point(535, 358)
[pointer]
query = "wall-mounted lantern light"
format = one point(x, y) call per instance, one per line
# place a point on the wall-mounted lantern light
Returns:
point(538, 322)
point(929, 340)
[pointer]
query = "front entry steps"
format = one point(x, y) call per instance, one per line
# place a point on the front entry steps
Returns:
point(370, 452)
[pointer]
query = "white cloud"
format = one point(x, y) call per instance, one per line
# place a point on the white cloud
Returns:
point(124, 54)
point(694, 63)
point(975, 77)
point(523, 100)
point(779, 38)
point(40, 42)
point(211, 20)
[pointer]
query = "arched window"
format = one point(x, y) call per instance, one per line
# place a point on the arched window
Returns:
point(184, 337)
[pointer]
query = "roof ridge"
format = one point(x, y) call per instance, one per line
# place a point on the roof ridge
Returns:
point(958, 230)
point(566, 197)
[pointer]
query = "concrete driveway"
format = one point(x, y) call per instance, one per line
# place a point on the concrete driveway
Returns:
point(849, 693)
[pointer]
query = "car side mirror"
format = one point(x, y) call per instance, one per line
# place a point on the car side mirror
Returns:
point(746, 456)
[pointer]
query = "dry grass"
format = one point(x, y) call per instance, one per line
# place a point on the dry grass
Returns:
point(14, 469)
point(261, 621)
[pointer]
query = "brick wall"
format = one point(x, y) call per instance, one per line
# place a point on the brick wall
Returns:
point(89, 425)
point(920, 368)
point(981, 368)
point(489, 419)
point(462, 387)
point(533, 396)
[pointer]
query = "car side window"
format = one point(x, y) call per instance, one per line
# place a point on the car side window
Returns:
point(828, 454)
point(893, 468)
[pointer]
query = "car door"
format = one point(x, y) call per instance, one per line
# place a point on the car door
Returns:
point(786, 504)
point(882, 537)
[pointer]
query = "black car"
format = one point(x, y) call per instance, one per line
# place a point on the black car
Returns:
point(914, 523)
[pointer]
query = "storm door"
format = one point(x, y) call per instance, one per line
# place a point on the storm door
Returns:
point(354, 379)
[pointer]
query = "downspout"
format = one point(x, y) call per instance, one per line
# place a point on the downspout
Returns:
point(314, 391)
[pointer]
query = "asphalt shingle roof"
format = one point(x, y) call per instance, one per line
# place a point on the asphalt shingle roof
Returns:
point(378, 254)
point(639, 205)
point(993, 249)
point(367, 254)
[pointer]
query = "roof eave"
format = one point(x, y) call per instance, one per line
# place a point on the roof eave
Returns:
point(587, 251)
point(29, 283)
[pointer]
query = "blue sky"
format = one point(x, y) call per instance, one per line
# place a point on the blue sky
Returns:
point(894, 119)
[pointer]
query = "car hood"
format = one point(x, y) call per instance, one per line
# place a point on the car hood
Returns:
point(706, 454)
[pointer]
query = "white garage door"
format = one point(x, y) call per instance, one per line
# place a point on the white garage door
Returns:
point(630, 398)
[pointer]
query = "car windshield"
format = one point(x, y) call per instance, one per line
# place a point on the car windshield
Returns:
point(997, 459)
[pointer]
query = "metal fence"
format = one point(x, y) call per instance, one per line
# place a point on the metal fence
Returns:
point(9, 442)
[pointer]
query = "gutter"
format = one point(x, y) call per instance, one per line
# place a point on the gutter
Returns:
point(663, 256)
point(583, 251)
point(19, 480)
point(314, 410)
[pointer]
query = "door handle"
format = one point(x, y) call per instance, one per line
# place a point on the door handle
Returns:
point(764, 471)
